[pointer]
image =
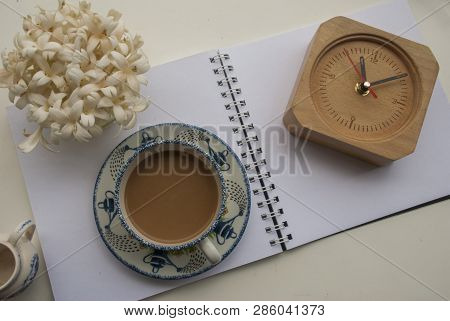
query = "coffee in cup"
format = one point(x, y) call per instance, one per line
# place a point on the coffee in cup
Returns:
point(170, 196)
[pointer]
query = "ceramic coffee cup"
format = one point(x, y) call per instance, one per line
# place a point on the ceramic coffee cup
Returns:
point(124, 195)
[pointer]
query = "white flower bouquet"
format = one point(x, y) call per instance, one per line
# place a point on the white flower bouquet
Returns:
point(74, 72)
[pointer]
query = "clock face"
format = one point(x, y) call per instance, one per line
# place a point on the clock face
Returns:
point(364, 90)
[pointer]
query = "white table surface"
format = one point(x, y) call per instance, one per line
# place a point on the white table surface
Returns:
point(405, 257)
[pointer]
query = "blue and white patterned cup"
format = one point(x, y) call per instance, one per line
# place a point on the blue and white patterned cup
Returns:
point(201, 239)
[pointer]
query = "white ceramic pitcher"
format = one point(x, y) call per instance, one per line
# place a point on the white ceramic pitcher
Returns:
point(19, 260)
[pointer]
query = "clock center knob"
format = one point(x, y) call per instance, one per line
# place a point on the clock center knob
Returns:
point(363, 88)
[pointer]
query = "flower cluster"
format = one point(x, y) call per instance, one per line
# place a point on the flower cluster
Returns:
point(74, 71)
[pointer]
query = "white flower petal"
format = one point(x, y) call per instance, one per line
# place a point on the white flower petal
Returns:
point(142, 79)
point(114, 14)
point(58, 115)
point(76, 110)
point(102, 114)
point(65, 54)
point(116, 78)
point(43, 81)
point(92, 43)
point(19, 88)
point(123, 48)
point(74, 75)
point(48, 55)
point(37, 99)
point(141, 65)
point(87, 89)
point(43, 39)
point(41, 62)
point(81, 134)
point(54, 135)
point(119, 114)
point(67, 130)
point(29, 48)
point(52, 46)
point(22, 102)
point(96, 74)
point(133, 83)
point(58, 81)
point(91, 73)
point(105, 102)
point(103, 62)
point(92, 99)
point(40, 78)
point(87, 120)
point(131, 122)
point(95, 130)
point(118, 60)
point(40, 115)
point(55, 99)
point(31, 141)
point(109, 91)
point(141, 105)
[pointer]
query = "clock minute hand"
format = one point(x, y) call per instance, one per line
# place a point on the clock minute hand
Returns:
point(363, 68)
point(382, 81)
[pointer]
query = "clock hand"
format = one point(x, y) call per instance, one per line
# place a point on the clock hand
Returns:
point(357, 72)
point(382, 81)
point(363, 69)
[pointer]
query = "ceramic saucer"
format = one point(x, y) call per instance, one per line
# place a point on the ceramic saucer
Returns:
point(173, 264)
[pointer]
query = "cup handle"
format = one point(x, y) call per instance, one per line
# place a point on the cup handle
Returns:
point(211, 252)
point(26, 228)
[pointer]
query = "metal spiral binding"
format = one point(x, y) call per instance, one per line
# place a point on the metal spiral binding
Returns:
point(243, 127)
point(238, 116)
point(269, 201)
point(219, 56)
point(259, 177)
point(223, 69)
point(228, 80)
point(252, 153)
point(266, 216)
point(268, 188)
point(247, 140)
point(255, 164)
point(281, 240)
point(277, 227)
point(230, 92)
point(240, 103)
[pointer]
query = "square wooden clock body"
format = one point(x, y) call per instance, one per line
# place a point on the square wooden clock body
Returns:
point(326, 108)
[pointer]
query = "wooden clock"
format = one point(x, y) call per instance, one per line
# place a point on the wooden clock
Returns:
point(362, 91)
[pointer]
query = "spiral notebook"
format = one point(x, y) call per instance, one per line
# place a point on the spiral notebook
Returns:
point(300, 192)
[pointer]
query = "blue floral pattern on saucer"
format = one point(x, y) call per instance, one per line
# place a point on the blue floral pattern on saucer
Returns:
point(186, 262)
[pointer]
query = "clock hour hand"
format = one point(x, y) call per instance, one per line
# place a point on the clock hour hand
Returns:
point(382, 81)
point(363, 68)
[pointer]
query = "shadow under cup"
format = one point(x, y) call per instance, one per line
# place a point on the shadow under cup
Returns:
point(8, 265)
point(171, 195)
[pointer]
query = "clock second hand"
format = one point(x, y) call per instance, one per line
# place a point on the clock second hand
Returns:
point(358, 73)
